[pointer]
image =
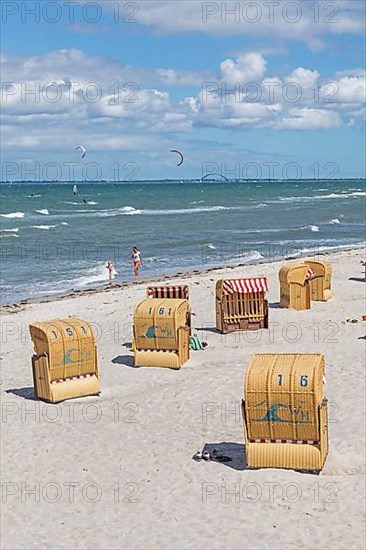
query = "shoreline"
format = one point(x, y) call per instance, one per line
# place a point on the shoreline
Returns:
point(14, 307)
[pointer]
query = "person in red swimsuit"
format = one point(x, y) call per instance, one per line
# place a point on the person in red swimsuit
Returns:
point(137, 260)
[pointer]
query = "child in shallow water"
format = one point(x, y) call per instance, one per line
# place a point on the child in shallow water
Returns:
point(111, 271)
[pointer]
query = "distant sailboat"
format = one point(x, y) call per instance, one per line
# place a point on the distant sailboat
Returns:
point(75, 189)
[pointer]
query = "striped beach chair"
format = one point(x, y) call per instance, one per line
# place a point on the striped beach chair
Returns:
point(241, 304)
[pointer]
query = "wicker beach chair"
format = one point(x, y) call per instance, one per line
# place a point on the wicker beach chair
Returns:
point(285, 412)
point(161, 333)
point(321, 280)
point(241, 304)
point(65, 364)
point(295, 287)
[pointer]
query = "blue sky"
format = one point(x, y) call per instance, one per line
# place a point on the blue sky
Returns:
point(180, 59)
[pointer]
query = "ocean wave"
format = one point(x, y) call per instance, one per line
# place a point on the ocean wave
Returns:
point(178, 211)
point(92, 203)
point(197, 202)
point(334, 221)
point(45, 227)
point(251, 255)
point(328, 248)
point(9, 235)
point(13, 215)
point(131, 211)
point(96, 274)
point(43, 211)
point(32, 196)
point(314, 228)
point(319, 197)
point(15, 230)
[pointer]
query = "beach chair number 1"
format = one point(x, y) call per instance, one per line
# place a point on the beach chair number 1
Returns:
point(303, 380)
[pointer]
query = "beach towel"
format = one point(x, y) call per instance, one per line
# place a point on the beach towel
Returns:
point(195, 343)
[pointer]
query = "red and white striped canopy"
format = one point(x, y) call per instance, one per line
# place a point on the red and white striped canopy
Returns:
point(245, 286)
point(310, 274)
point(179, 292)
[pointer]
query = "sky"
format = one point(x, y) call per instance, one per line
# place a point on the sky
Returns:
point(271, 89)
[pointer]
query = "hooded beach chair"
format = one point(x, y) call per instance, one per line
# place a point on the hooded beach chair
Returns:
point(285, 412)
point(321, 280)
point(176, 292)
point(65, 364)
point(241, 304)
point(295, 287)
point(161, 333)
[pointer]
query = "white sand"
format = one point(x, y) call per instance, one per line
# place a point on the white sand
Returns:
point(151, 421)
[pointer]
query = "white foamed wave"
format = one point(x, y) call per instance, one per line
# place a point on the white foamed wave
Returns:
point(9, 235)
point(43, 211)
point(92, 203)
point(133, 212)
point(130, 211)
point(328, 248)
point(211, 246)
point(251, 255)
point(314, 228)
point(197, 202)
point(341, 195)
point(334, 221)
point(187, 210)
point(15, 230)
point(32, 196)
point(97, 274)
point(45, 227)
point(13, 215)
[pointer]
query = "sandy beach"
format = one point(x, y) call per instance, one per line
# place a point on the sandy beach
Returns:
point(116, 471)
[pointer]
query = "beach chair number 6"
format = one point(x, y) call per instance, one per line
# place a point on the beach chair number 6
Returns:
point(69, 331)
point(161, 311)
point(303, 380)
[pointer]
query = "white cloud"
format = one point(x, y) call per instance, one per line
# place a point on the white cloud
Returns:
point(351, 89)
point(306, 78)
point(249, 67)
point(310, 119)
point(301, 21)
point(126, 116)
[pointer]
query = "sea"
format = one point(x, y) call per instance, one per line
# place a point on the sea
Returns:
point(53, 240)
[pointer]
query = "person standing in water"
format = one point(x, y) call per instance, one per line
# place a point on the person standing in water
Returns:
point(137, 261)
point(111, 271)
